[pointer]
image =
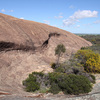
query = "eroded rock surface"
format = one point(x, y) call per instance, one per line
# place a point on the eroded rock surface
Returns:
point(27, 46)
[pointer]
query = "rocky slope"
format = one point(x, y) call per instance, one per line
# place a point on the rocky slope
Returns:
point(27, 46)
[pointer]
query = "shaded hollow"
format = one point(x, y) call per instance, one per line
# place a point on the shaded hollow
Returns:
point(45, 43)
point(8, 46)
point(53, 34)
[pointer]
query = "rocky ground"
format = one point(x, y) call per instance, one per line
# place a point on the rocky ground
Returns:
point(93, 95)
point(28, 46)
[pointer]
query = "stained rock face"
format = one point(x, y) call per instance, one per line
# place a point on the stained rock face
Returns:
point(27, 46)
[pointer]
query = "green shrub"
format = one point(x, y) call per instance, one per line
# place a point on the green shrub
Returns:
point(75, 84)
point(53, 65)
point(93, 77)
point(54, 76)
point(69, 84)
point(89, 59)
point(55, 89)
point(30, 83)
point(44, 90)
point(38, 73)
point(60, 69)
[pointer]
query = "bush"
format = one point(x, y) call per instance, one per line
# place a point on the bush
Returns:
point(60, 69)
point(53, 65)
point(41, 74)
point(69, 84)
point(75, 84)
point(55, 89)
point(89, 59)
point(93, 77)
point(31, 84)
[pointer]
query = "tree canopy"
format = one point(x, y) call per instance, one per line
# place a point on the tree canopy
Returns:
point(59, 50)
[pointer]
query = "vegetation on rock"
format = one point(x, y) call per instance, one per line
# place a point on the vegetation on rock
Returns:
point(59, 50)
point(70, 77)
point(30, 83)
point(89, 60)
point(95, 40)
point(69, 84)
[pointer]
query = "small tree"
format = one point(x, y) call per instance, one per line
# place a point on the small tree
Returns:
point(59, 50)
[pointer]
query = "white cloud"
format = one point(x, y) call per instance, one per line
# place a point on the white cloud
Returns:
point(21, 18)
point(3, 10)
point(46, 22)
point(11, 10)
point(68, 22)
point(97, 22)
point(85, 14)
point(79, 15)
point(77, 26)
point(58, 17)
point(71, 7)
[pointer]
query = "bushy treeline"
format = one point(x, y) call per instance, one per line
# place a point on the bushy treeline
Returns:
point(95, 40)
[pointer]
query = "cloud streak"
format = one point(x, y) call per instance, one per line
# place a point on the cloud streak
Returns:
point(79, 15)
point(97, 22)
point(21, 18)
point(59, 17)
point(3, 10)
point(46, 22)
point(11, 10)
point(77, 26)
point(71, 7)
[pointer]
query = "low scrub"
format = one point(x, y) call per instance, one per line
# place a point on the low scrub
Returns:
point(31, 84)
point(69, 84)
point(89, 60)
point(56, 82)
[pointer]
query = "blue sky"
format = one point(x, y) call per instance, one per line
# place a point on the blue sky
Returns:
point(76, 16)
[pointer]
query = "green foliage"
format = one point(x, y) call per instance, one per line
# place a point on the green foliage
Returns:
point(60, 49)
point(42, 79)
point(60, 69)
point(93, 77)
point(53, 76)
point(44, 90)
point(89, 59)
point(38, 73)
point(53, 65)
point(31, 84)
point(76, 84)
point(95, 40)
point(69, 84)
point(55, 89)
